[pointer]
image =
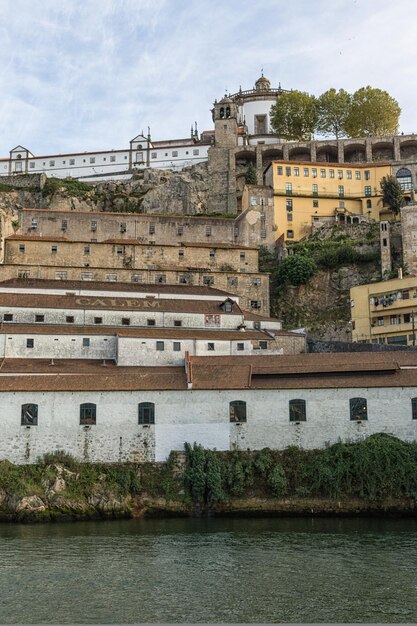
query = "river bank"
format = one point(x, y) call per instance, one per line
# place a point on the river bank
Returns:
point(376, 477)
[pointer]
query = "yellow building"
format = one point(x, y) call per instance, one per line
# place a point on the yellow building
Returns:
point(385, 312)
point(306, 193)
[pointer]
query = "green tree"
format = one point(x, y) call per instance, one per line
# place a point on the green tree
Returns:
point(295, 269)
point(333, 108)
point(392, 193)
point(250, 175)
point(373, 112)
point(293, 116)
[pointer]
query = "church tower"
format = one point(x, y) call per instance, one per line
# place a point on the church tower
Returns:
point(221, 158)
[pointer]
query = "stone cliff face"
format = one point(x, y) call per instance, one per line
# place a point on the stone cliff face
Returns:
point(322, 306)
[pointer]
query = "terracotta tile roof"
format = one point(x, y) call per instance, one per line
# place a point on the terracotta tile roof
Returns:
point(131, 331)
point(122, 303)
point(87, 285)
point(40, 375)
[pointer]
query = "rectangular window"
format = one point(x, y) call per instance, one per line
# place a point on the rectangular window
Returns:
point(357, 175)
point(368, 191)
point(288, 204)
point(341, 191)
point(323, 173)
point(30, 343)
point(8, 317)
point(51, 163)
point(39, 318)
point(21, 247)
point(86, 250)
point(232, 281)
point(86, 342)
point(288, 189)
point(160, 346)
point(69, 319)
point(92, 159)
point(289, 217)
point(112, 278)
point(290, 234)
point(349, 174)
point(64, 224)
point(180, 229)
point(112, 159)
point(184, 279)
point(32, 164)
point(407, 318)
point(125, 321)
point(160, 279)
point(405, 294)
point(177, 322)
point(315, 204)
point(340, 174)
point(296, 171)
point(176, 346)
point(279, 170)
point(288, 171)
point(180, 254)
point(196, 151)
point(263, 345)
point(242, 256)
point(380, 321)
point(154, 155)
point(358, 409)
point(331, 173)
point(341, 204)
point(208, 231)
point(151, 228)
point(86, 275)
point(136, 278)
point(98, 320)
point(212, 255)
point(210, 347)
point(255, 282)
point(208, 280)
point(263, 233)
point(367, 175)
point(72, 161)
point(315, 190)
point(240, 346)
point(255, 304)
point(297, 410)
point(306, 171)
point(314, 172)
point(150, 322)
point(54, 249)
point(175, 153)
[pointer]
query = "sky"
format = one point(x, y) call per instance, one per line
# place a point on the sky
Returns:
point(84, 75)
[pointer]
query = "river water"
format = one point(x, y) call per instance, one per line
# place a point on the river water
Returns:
point(210, 570)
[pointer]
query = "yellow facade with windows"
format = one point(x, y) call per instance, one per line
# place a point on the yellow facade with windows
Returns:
point(308, 193)
point(385, 312)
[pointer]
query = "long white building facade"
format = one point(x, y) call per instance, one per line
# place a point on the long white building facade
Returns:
point(254, 107)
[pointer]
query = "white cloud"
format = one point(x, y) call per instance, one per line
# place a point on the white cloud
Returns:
point(89, 75)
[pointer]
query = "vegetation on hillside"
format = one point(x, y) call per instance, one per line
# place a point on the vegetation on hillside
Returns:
point(368, 112)
point(392, 193)
point(70, 186)
point(374, 469)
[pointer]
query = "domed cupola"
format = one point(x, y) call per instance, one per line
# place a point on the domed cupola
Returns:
point(262, 84)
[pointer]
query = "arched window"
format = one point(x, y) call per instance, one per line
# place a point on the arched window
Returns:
point(227, 111)
point(414, 408)
point(221, 113)
point(146, 413)
point(88, 414)
point(298, 411)
point(358, 409)
point(237, 411)
point(29, 415)
point(404, 177)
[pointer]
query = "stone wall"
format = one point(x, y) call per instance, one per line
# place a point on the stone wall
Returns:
point(195, 416)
